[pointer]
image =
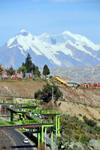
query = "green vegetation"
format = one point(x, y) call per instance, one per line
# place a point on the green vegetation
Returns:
point(46, 93)
point(1, 70)
point(89, 122)
point(46, 70)
point(28, 64)
point(10, 71)
point(74, 130)
point(23, 69)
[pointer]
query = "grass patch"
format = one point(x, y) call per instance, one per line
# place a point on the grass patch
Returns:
point(98, 142)
point(7, 80)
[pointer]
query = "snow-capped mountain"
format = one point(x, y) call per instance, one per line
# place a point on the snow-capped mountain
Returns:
point(63, 50)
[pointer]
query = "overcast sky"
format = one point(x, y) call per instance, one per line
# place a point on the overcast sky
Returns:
point(50, 16)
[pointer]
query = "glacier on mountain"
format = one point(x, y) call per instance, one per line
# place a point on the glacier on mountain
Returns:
point(62, 50)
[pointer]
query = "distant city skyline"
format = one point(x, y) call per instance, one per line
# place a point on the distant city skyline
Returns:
point(50, 16)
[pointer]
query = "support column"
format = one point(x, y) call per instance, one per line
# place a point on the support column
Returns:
point(11, 116)
point(36, 109)
point(23, 117)
point(45, 136)
point(42, 133)
point(5, 109)
point(31, 131)
point(56, 125)
point(44, 126)
point(19, 122)
point(52, 138)
point(38, 136)
point(19, 117)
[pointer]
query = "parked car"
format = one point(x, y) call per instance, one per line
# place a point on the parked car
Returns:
point(26, 140)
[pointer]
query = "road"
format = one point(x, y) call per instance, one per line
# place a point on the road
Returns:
point(17, 140)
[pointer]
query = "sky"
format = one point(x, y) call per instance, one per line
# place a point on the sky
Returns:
point(50, 16)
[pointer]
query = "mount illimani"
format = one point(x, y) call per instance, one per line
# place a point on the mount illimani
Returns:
point(62, 50)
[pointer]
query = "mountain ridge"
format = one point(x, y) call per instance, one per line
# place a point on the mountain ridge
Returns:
point(79, 74)
point(62, 50)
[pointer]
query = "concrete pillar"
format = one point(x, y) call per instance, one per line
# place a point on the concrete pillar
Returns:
point(38, 136)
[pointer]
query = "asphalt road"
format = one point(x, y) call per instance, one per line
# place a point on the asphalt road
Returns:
point(17, 140)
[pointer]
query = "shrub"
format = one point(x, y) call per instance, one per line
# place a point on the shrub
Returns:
point(80, 114)
point(42, 102)
point(77, 137)
point(97, 128)
point(46, 93)
point(50, 77)
point(34, 79)
point(91, 131)
point(89, 122)
point(85, 139)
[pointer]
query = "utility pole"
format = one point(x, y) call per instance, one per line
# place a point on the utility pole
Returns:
point(41, 71)
point(32, 73)
point(33, 95)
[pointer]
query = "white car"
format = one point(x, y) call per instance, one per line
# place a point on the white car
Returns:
point(26, 140)
point(35, 115)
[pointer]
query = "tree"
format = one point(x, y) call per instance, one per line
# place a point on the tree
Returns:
point(37, 72)
point(1, 70)
point(46, 93)
point(10, 71)
point(23, 69)
point(46, 70)
point(28, 64)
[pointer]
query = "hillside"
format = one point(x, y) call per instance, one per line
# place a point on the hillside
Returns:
point(22, 88)
point(77, 100)
point(79, 74)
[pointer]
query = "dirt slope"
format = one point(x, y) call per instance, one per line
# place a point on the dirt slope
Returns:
point(20, 88)
point(85, 97)
point(76, 109)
